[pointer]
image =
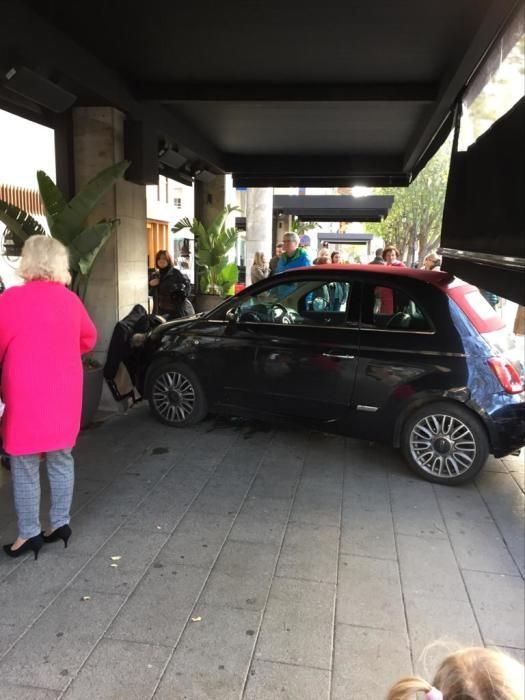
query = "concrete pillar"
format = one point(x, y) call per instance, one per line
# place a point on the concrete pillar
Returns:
point(119, 277)
point(284, 224)
point(210, 199)
point(259, 220)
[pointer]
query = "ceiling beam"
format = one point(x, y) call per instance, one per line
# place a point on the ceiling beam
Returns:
point(498, 14)
point(305, 180)
point(315, 165)
point(283, 92)
point(54, 53)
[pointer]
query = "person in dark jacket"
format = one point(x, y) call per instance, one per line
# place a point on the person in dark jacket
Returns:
point(171, 289)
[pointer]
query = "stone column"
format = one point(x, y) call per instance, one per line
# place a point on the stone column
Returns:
point(210, 199)
point(119, 277)
point(259, 220)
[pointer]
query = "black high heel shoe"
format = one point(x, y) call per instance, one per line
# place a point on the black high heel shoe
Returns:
point(32, 544)
point(61, 533)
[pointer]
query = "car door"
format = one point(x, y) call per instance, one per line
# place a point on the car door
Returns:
point(305, 350)
point(403, 355)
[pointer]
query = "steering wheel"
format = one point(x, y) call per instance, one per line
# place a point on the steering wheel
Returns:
point(279, 314)
point(399, 320)
point(250, 317)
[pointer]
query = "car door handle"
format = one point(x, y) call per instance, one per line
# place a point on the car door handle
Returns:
point(341, 357)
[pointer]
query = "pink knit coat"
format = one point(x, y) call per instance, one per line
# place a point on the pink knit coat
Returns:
point(44, 329)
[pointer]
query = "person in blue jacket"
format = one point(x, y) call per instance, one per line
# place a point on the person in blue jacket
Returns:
point(292, 256)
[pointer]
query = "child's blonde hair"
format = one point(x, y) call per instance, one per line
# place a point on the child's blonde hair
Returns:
point(469, 674)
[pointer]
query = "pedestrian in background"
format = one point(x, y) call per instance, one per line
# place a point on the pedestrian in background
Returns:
point(391, 257)
point(171, 289)
point(378, 260)
point(432, 262)
point(323, 257)
point(336, 257)
point(469, 674)
point(275, 259)
point(292, 256)
point(2, 286)
point(259, 269)
point(44, 330)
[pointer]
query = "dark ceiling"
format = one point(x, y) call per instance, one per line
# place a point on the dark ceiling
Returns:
point(279, 93)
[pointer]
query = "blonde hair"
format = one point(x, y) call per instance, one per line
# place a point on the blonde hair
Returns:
point(470, 674)
point(259, 259)
point(44, 258)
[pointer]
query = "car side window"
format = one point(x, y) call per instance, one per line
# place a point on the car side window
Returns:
point(390, 308)
point(309, 302)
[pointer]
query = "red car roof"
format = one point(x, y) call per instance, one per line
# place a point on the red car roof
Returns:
point(438, 279)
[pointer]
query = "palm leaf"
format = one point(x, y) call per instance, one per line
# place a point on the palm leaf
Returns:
point(86, 246)
point(70, 221)
point(51, 196)
point(218, 223)
point(182, 224)
point(19, 222)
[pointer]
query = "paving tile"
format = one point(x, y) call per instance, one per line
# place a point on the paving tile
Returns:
point(242, 576)
point(318, 506)
point(428, 567)
point(479, 546)
point(136, 551)
point(310, 552)
point(197, 539)
point(261, 520)
point(212, 657)
point(506, 502)
point(415, 509)
point(452, 623)
point(268, 680)
point(298, 623)
point(498, 603)
point(117, 670)
point(34, 584)
point(91, 530)
point(368, 532)
point(19, 692)
point(60, 641)
point(369, 593)
point(8, 635)
point(221, 497)
point(160, 605)
point(368, 662)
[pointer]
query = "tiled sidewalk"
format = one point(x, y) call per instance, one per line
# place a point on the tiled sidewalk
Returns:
point(256, 563)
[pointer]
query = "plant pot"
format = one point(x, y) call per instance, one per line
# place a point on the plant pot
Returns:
point(207, 302)
point(92, 391)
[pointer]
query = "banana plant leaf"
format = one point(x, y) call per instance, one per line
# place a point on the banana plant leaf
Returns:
point(19, 222)
point(69, 222)
point(227, 277)
point(51, 196)
point(85, 247)
point(217, 224)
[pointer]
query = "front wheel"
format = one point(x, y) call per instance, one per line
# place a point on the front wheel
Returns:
point(175, 395)
point(444, 443)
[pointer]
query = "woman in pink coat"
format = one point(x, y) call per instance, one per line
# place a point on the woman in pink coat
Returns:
point(44, 329)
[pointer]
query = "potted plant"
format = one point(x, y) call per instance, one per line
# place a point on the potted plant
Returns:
point(216, 276)
point(67, 223)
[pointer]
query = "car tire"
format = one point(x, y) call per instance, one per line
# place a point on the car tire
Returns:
point(175, 394)
point(444, 443)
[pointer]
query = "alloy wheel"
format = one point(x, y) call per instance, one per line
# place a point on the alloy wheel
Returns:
point(173, 396)
point(443, 446)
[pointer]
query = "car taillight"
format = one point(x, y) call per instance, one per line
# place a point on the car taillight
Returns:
point(508, 377)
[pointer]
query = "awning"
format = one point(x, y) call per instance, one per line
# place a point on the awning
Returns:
point(334, 207)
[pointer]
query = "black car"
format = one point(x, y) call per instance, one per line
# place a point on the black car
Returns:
point(389, 354)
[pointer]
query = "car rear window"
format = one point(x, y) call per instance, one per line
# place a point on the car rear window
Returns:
point(475, 307)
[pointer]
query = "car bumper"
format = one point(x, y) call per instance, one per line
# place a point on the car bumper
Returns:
point(507, 429)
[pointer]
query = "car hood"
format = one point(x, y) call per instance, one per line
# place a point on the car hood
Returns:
point(173, 326)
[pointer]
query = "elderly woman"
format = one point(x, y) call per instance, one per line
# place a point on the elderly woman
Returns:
point(293, 256)
point(432, 262)
point(259, 269)
point(44, 329)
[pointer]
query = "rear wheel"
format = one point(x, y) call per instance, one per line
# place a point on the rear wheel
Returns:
point(444, 443)
point(175, 395)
